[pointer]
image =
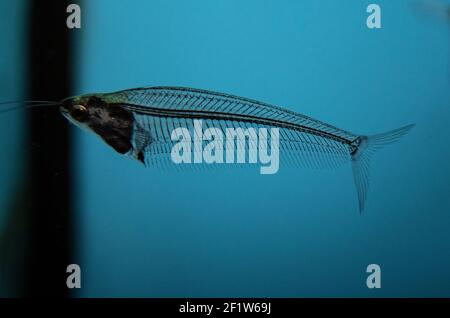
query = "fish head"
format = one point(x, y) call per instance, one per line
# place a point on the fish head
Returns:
point(75, 109)
point(108, 120)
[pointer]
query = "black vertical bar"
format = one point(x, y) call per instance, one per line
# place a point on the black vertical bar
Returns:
point(49, 167)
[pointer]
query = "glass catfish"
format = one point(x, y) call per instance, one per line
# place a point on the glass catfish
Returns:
point(140, 123)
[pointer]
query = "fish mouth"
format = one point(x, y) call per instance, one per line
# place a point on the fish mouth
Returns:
point(63, 110)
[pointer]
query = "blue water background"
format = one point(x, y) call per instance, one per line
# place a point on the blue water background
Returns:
point(12, 37)
point(234, 232)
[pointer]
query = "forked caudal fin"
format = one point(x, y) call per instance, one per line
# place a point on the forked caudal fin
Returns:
point(365, 148)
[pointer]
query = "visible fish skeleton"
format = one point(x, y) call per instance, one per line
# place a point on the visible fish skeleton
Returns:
point(138, 123)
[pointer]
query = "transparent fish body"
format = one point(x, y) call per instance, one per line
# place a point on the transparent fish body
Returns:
point(140, 122)
point(160, 110)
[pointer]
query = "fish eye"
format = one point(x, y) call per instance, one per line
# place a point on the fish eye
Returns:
point(78, 112)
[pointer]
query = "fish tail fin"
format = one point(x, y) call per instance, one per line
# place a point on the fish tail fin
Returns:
point(364, 148)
